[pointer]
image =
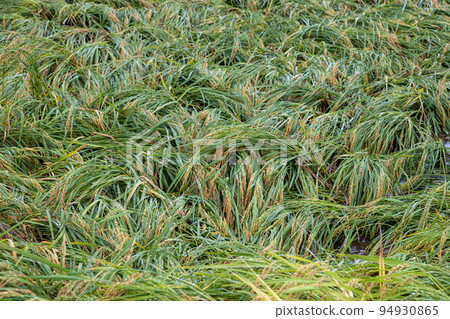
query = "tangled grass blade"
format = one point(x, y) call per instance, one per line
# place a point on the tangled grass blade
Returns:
point(224, 150)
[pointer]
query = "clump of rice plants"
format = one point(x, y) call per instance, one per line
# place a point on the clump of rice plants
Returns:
point(224, 150)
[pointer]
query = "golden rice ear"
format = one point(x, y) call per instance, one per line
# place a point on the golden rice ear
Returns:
point(224, 150)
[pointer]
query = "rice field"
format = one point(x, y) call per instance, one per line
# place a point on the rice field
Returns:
point(224, 150)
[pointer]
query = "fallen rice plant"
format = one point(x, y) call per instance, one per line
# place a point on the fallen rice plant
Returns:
point(224, 150)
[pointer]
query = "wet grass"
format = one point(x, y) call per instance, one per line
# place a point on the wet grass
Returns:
point(332, 119)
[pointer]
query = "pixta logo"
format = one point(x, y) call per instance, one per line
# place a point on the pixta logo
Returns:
point(147, 149)
point(150, 147)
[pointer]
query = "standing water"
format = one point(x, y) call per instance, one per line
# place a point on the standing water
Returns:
point(446, 140)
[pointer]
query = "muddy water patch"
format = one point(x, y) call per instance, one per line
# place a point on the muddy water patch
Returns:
point(357, 247)
point(446, 140)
